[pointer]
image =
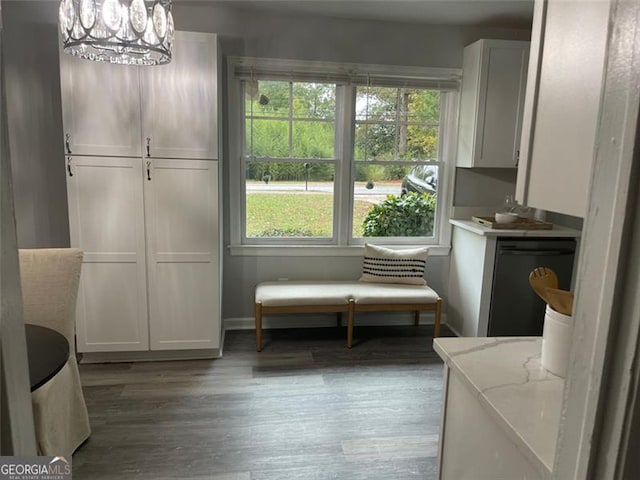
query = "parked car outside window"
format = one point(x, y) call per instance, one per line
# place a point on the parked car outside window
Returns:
point(421, 179)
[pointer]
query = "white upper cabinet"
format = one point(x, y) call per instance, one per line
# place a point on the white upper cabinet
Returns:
point(179, 101)
point(91, 93)
point(167, 111)
point(493, 84)
point(566, 75)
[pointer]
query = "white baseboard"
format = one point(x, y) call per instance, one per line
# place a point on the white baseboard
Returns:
point(315, 321)
point(457, 333)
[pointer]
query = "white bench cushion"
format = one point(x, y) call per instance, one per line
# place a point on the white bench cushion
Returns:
point(391, 293)
point(302, 293)
point(283, 294)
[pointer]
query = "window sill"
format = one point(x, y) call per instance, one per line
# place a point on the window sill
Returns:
point(319, 250)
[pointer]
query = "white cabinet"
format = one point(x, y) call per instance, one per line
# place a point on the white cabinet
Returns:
point(167, 111)
point(181, 200)
point(148, 226)
point(180, 101)
point(470, 281)
point(562, 107)
point(493, 85)
point(106, 220)
point(101, 108)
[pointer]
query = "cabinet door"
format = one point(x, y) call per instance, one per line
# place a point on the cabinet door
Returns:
point(506, 68)
point(494, 76)
point(560, 145)
point(181, 198)
point(106, 221)
point(100, 108)
point(180, 100)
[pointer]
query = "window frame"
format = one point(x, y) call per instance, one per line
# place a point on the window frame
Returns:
point(342, 242)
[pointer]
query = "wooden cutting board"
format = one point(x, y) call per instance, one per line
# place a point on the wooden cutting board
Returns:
point(519, 224)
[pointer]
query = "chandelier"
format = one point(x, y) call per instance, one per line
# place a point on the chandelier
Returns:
point(128, 32)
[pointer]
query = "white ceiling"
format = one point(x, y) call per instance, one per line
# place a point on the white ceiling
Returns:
point(515, 13)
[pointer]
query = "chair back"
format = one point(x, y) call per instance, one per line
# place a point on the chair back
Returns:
point(50, 278)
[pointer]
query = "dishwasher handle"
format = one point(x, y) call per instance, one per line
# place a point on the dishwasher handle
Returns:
point(534, 252)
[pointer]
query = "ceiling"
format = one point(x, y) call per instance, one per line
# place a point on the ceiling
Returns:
point(512, 13)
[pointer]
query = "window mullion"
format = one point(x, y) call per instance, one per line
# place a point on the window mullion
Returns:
point(291, 119)
point(346, 131)
point(396, 153)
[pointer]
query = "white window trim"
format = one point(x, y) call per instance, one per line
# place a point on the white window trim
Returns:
point(341, 245)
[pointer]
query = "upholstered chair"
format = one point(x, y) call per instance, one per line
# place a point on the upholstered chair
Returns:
point(50, 280)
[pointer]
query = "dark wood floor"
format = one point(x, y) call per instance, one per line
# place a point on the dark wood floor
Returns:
point(304, 408)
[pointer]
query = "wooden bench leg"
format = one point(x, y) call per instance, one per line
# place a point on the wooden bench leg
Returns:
point(350, 315)
point(436, 324)
point(416, 318)
point(259, 326)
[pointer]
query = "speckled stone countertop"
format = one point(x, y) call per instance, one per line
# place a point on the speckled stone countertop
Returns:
point(506, 376)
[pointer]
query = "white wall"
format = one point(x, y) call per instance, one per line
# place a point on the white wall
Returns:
point(241, 32)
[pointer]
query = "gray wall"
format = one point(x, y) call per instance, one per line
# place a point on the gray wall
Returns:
point(483, 186)
point(40, 182)
point(35, 129)
point(260, 34)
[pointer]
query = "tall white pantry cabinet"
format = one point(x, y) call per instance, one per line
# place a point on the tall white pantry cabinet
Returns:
point(142, 161)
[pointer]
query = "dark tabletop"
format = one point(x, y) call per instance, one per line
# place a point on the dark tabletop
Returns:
point(47, 350)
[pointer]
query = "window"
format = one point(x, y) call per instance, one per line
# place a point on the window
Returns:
point(290, 159)
point(397, 133)
point(326, 157)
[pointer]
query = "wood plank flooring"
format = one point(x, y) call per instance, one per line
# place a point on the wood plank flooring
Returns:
point(304, 408)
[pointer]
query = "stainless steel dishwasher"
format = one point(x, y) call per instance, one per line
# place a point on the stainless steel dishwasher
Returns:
point(515, 308)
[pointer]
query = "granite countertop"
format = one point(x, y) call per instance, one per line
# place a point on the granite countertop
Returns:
point(556, 232)
point(506, 376)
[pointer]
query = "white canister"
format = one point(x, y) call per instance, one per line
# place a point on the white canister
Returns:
point(556, 341)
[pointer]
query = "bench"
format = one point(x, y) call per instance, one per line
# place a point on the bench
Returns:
point(343, 297)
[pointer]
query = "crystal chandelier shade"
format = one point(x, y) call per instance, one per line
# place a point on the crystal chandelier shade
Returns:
point(129, 32)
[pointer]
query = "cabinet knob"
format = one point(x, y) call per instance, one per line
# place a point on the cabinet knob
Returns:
point(148, 146)
point(69, 167)
point(149, 170)
point(67, 140)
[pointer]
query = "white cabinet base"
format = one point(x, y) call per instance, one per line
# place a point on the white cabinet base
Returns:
point(149, 356)
point(473, 447)
point(470, 279)
point(501, 410)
